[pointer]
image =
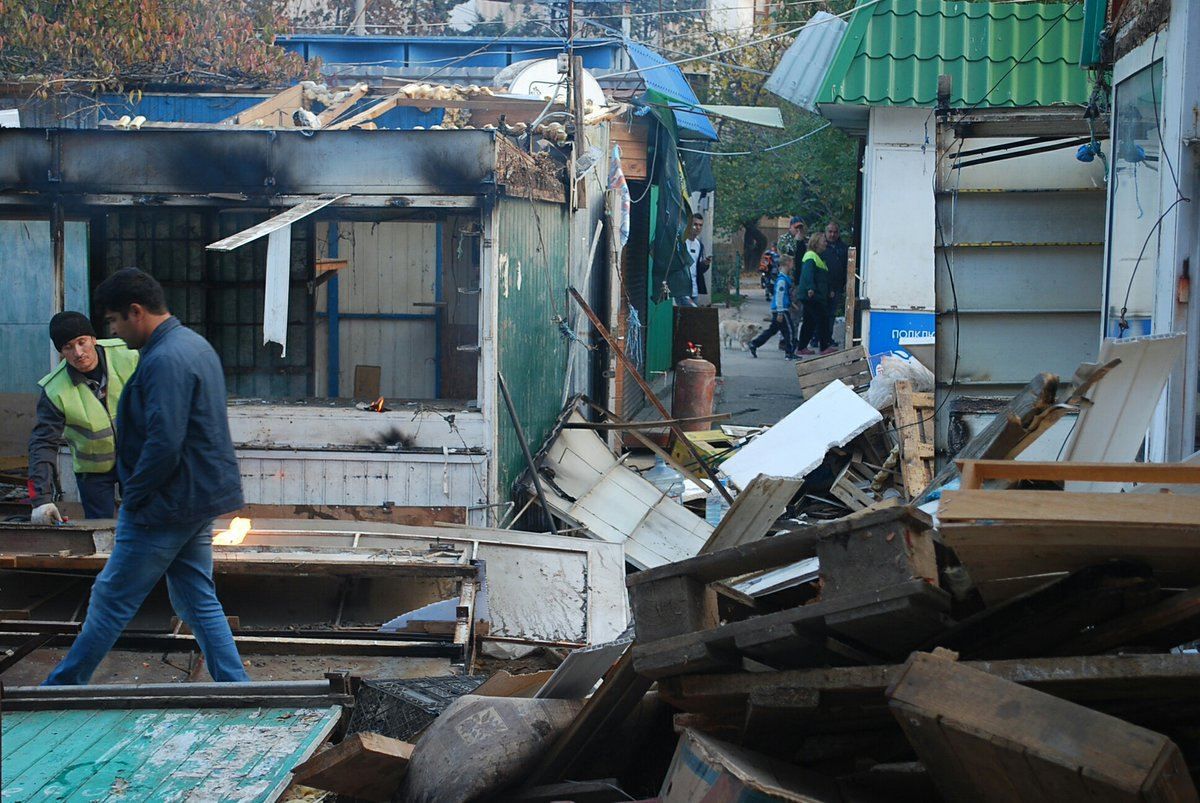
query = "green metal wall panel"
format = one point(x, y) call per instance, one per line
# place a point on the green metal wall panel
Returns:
point(997, 54)
point(660, 319)
point(531, 252)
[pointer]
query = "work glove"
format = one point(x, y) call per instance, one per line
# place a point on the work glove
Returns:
point(46, 515)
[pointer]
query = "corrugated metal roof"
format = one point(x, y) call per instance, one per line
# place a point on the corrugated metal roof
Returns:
point(667, 79)
point(894, 51)
point(801, 72)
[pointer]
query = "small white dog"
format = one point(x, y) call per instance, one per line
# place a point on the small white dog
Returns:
point(739, 332)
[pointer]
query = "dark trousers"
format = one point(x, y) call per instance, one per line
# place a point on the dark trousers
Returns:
point(834, 304)
point(781, 324)
point(816, 313)
point(98, 493)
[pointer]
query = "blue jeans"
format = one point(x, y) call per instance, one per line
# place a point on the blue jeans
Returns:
point(98, 493)
point(140, 556)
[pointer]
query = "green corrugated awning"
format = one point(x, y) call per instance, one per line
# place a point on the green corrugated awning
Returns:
point(894, 51)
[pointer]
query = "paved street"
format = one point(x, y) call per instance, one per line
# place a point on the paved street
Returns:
point(762, 390)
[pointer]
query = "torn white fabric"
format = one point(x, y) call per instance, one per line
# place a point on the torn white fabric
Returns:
point(275, 300)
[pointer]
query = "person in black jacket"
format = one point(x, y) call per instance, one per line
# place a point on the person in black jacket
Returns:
point(836, 257)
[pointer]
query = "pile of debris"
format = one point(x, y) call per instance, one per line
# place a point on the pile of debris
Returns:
point(858, 629)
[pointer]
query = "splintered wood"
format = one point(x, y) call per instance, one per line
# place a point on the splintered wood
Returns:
point(914, 425)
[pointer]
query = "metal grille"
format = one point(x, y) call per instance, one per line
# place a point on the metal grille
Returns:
point(401, 709)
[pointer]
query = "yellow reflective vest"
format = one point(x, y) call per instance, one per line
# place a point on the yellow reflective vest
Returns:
point(90, 425)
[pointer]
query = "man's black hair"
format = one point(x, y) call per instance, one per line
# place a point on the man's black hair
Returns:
point(697, 216)
point(130, 286)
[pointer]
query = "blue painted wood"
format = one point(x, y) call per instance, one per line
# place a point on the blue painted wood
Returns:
point(157, 755)
point(70, 762)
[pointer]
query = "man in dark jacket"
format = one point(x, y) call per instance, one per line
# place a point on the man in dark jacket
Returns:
point(836, 256)
point(178, 472)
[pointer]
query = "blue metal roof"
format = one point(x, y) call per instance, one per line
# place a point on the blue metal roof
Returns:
point(438, 51)
point(667, 79)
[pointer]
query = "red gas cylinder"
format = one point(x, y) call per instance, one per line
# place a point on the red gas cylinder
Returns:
point(692, 395)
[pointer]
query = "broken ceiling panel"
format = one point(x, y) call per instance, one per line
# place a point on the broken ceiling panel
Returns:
point(594, 490)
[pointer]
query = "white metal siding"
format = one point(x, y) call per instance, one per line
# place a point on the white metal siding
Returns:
point(346, 478)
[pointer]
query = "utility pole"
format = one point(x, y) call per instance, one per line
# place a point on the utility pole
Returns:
point(360, 17)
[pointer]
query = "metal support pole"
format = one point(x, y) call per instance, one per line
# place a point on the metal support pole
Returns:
point(516, 422)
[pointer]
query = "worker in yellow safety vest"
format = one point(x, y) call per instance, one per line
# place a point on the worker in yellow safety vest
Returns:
point(79, 403)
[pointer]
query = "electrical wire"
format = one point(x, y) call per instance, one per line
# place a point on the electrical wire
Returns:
point(1021, 60)
point(1122, 321)
point(763, 150)
point(742, 46)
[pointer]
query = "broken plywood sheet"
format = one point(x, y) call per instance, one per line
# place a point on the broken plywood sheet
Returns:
point(798, 443)
point(541, 587)
point(592, 489)
point(1112, 423)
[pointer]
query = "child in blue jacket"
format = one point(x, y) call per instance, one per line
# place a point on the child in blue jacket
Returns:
point(781, 318)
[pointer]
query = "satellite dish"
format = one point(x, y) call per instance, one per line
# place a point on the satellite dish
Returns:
point(542, 80)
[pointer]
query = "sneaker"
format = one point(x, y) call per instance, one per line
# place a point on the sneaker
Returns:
point(806, 352)
point(828, 350)
point(754, 351)
point(791, 357)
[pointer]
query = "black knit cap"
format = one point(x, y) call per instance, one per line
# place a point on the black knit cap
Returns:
point(66, 326)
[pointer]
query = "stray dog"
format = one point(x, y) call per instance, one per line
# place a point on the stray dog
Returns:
point(739, 332)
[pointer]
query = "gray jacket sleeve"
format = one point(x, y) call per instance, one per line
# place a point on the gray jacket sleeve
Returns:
point(43, 450)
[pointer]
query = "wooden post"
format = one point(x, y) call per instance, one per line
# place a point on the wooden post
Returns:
point(851, 295)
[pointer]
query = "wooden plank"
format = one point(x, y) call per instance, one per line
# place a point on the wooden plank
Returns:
point(1041, 621)
point(876, 557)
point(620, 691)
point(959, 719)
point(1134, 627)
point(367, 381)
point(851, 293)
point(275, 111)
point(356, 93)
point(1158, 473)
point(363, 765)
point(1014, 507)
point(81, 748)
point(753, 512)
point(799, 636)
point(849, 365)
point(782, 549)
point(1009, 429)
point(914, 425)
point(859, 689)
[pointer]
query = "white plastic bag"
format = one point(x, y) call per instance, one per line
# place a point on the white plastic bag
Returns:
point(892, 369)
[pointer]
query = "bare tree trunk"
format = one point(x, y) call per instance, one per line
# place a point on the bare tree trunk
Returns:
point(754, 243)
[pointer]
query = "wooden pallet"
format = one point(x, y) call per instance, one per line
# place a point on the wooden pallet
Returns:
point(849, 365)
point(881, 600)
point(914, 425)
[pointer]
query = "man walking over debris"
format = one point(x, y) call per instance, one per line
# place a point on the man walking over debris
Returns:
point(178, 472)
point(781, 317)
point(79, 402)
point(812, 288)
point(836, 256)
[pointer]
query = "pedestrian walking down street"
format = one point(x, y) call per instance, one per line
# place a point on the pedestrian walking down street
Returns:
point(812, 287)
point(781, 319)
point(178, 472)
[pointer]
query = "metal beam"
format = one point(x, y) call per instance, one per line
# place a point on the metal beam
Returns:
point(74, 162)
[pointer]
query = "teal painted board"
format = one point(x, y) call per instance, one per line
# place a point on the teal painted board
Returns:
point(531, 241)
point(74, 755)
point(243, 754)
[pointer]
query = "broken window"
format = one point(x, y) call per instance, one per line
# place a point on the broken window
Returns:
point(378, 304)
point(1136, 201)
